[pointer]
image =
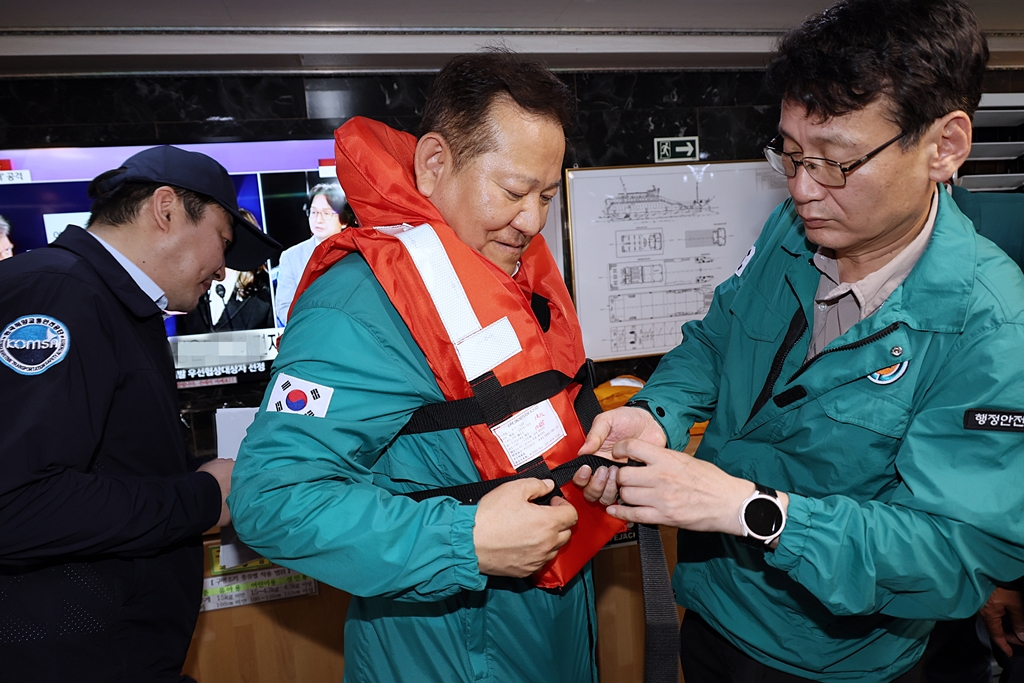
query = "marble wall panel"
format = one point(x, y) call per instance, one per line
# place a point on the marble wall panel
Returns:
point(670, 90)
point(77, 134)
point(625, 137)
point(68, 101)
point(376, 97)
point(734, 133)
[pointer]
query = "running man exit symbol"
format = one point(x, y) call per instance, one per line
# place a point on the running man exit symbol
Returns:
point(676, 149)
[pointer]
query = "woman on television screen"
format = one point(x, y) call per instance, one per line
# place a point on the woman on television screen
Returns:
point(328, 214)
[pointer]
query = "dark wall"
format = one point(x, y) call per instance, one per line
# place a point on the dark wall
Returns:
point(620, 114)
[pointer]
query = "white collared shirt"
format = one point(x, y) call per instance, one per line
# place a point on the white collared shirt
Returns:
point(144, 281)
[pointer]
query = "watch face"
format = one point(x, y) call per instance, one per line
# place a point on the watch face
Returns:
point(763, 517)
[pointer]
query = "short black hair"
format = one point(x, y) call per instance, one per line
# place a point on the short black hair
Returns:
point(460, 99)
point(121, 205)
point(335, 199)
point(927, 57)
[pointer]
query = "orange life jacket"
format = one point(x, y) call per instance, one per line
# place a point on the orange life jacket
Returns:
point(470, 319)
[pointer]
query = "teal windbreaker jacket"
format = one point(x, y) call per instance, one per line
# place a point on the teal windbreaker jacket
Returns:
point(904, 507)
point(317, 494)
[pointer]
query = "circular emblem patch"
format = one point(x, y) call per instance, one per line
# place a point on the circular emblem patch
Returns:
point(890, 374)
point(296, 399)
point(33, 343)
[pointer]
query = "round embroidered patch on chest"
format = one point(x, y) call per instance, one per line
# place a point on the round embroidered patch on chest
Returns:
point(890, 374)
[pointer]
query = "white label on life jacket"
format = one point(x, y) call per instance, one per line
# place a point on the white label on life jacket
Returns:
point(486, 349)
point(529, 433)
point(479, 349)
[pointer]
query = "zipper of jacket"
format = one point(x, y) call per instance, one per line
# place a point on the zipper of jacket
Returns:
point(884, 332)
point(796, 330)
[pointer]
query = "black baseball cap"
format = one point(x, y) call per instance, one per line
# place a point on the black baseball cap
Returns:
point(198, 173)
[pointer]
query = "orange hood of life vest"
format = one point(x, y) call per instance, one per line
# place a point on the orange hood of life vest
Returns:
point(375, 168)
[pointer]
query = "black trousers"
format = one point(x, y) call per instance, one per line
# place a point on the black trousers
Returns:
point(707, 657)
point(958, 652)
point(1013, 667)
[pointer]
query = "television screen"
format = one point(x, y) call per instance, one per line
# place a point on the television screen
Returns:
point(233, 331)
point(232, 334)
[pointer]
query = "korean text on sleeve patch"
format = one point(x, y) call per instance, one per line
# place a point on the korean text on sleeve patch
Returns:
point(34, 343)
point(299, 397)
point(994, 420)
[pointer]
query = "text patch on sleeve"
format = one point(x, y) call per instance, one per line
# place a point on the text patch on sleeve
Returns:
point(994, 420)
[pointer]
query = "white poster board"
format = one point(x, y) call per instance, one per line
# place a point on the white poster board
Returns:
point(552, 231)
point(649, 244)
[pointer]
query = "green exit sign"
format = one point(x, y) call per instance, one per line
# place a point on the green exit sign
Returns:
point(676, 149)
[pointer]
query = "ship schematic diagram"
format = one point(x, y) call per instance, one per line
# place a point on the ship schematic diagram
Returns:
point(673, 303)
point(649, 205)
point(634, 316)
point(697, 270)
point(650, 244)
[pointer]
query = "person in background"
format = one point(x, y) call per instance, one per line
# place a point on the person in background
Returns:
point(328, 214)
point(6, 245)
point(248, 305)
point(454, 285)
point(859, 478)
point(101, 511)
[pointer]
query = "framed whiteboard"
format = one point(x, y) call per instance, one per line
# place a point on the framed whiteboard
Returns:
point(649, 244)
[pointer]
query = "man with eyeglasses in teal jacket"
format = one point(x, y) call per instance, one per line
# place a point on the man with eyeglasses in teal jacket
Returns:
point(862, 372)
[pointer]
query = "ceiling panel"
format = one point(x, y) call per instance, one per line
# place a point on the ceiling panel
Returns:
point(67, 37)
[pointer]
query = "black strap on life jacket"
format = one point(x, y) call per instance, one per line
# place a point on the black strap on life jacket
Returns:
point(492, 402)
point(470, 494)
point(661, 642)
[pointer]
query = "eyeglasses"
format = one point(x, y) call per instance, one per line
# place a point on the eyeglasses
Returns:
point(824, 171)
point(325, 214)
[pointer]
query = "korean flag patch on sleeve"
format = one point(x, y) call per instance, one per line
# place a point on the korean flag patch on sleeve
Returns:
point(299, 397)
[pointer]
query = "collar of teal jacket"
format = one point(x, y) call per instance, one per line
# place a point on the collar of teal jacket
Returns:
point(936, 294)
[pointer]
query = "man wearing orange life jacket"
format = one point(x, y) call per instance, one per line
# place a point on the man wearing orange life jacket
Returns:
point(449, 295)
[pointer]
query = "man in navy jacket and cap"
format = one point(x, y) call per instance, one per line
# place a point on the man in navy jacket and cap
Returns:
point(100, 515)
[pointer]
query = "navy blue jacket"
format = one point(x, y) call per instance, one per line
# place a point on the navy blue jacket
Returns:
point(100, 519)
